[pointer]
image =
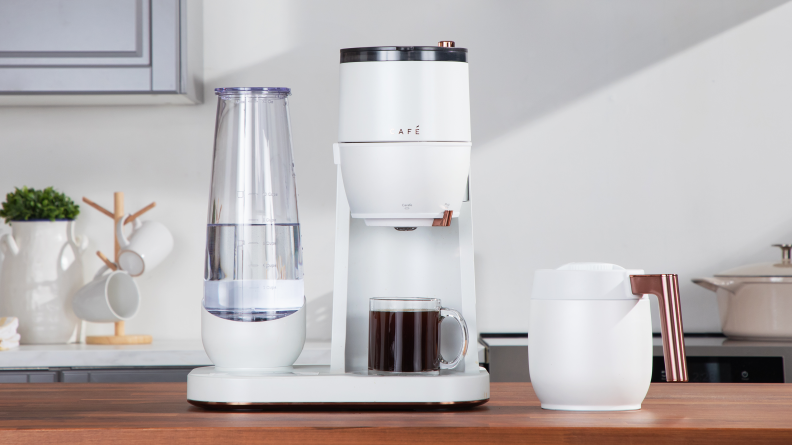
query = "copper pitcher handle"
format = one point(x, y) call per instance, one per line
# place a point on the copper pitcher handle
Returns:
point(666, 288)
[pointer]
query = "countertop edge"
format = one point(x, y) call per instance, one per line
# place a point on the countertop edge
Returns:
point(390, 434)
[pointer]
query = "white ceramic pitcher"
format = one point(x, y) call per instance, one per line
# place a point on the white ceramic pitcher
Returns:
point(590, 336)
point(41, 271)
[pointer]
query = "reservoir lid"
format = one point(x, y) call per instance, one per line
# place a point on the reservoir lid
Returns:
point(404, 53)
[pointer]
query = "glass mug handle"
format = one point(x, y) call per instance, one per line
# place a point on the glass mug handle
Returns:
point(458, 317)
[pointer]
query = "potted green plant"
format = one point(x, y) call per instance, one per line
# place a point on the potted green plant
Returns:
point(42, 266)
point(29, 204)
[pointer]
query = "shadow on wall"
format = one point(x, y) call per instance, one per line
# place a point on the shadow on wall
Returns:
point(527, 58)
point(551, 53)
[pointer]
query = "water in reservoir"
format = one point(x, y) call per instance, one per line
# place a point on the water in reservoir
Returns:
point(253, 271)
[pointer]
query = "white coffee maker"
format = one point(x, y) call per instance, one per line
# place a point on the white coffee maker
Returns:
point(403, 163)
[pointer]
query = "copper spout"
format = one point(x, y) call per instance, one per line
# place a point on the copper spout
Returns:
point(445, 221)
point(446, 43)
point(666, 288)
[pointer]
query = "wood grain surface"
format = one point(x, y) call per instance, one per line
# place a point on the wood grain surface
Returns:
point(148, 413)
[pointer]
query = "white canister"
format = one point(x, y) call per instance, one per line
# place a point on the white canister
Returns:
point(590, 336)
point(41, 272)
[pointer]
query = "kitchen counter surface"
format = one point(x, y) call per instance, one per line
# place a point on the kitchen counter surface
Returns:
point(158, 412)
point(158, 353)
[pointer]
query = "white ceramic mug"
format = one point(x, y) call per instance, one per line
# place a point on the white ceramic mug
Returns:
point(149, 244)
point(108, 298)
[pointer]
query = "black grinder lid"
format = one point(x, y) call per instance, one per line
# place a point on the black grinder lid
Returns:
point(405, 53)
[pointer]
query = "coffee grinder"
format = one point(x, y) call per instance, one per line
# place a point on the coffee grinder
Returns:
point(403, 229)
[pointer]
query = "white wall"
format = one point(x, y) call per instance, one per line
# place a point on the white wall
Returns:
point(650, 134)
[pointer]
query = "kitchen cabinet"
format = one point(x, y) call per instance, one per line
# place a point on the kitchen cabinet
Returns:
point(100, 52)
point(137, 374)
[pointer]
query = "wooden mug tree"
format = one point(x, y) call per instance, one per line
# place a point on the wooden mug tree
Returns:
point(120, 338)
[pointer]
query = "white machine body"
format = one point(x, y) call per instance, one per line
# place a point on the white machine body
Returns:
point(404, 184)
point(317, 385)
point(403, 160)
point(404, 101)
point(404, 140)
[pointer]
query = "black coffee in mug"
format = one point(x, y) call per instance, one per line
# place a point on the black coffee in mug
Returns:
point(404, 336)
point(404, 341)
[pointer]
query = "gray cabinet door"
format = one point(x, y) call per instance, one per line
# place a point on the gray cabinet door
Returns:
point(89, 46)
point(128, 375)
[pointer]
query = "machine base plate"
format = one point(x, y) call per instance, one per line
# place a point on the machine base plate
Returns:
point(314, 387)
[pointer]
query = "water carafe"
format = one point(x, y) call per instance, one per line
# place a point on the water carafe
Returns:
point(253, 289)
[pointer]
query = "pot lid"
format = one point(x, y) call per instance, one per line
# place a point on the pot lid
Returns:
point(779, 269)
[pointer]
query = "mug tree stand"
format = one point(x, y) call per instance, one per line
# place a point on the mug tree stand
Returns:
point(120, 337)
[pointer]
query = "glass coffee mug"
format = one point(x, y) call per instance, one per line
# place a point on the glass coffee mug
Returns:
point(404, 336)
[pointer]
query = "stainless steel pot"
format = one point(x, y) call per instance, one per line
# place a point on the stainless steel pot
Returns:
point(755, 301)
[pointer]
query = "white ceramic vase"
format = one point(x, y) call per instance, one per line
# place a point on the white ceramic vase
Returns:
point(41, 271)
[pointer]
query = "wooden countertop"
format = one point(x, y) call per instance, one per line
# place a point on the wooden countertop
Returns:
point(159, 413)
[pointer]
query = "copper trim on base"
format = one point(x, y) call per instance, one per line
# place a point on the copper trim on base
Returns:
point(666, 288)
point(445, 221)
point(340, 405)
point(446, 44)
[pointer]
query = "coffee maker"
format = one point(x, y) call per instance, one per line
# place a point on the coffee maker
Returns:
point(403, 229)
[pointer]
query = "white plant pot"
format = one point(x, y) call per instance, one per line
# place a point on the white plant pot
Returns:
point(41, 271)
